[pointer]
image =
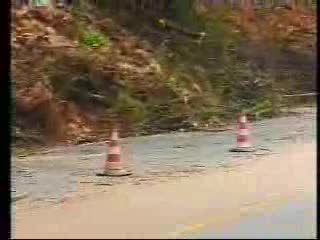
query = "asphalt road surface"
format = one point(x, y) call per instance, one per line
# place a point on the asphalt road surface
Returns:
point(184, 185)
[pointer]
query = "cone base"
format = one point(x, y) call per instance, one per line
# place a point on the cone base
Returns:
point(115, 173)
point(242, 149)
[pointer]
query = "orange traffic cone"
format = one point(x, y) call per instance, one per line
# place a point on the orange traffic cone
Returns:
point(114, 165)
point(243, 139)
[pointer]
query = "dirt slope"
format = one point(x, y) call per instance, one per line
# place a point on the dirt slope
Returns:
point(72, 83)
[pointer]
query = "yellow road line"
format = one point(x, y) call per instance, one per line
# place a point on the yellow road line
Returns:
point(257, 207)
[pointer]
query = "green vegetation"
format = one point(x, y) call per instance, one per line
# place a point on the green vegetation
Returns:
point(166, 77)
point(94, 39)
point(131, 109)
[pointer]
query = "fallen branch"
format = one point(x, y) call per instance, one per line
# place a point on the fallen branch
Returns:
point(300, 95)
point(28, 136)
point(173, 26)
point(212, 129)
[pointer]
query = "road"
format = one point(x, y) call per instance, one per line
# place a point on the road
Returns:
point(296, 220)
point(184, 184)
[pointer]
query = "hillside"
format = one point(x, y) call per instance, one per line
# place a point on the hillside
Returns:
point(78, 72)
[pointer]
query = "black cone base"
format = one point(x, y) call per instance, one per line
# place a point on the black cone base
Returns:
point(239, 149)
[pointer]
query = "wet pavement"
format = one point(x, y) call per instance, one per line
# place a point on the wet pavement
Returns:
point(51, 175)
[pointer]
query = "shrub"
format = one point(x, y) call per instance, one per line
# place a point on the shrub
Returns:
point(131, 109)
point(94, 39)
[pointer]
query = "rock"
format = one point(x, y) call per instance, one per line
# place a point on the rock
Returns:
point(142, 53)
point(29, 99)
point(195, 124)
point(50, 30)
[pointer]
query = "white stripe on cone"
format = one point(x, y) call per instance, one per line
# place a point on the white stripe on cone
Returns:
point(114, 165)
point(243, 132)
point(114, 150)
point(114, 135)
point(244, 144)
point(243, 119)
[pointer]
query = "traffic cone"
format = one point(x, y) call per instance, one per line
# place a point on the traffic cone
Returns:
point(114, 165)
point(243, 139)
